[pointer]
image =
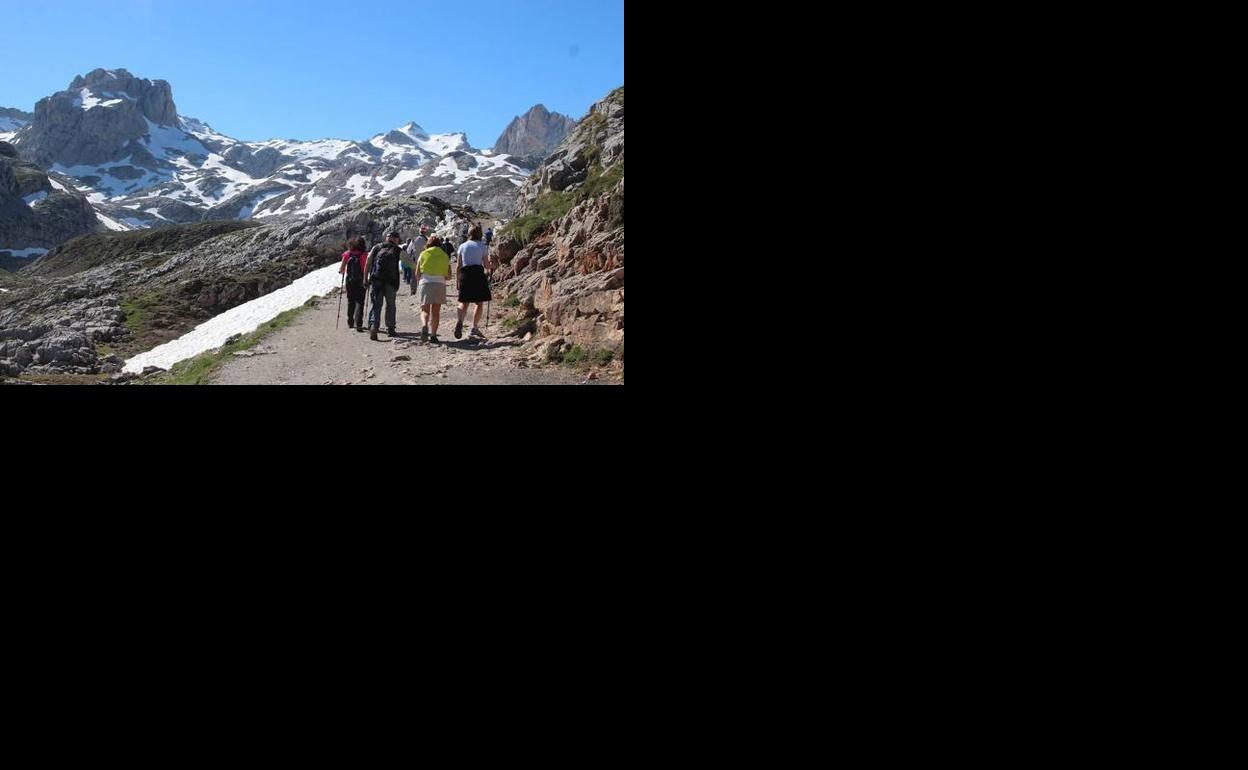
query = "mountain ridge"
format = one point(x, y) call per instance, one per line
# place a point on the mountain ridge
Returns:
point(120, 141)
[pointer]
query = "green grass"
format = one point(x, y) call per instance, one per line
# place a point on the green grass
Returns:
point(512, 301)
point(138, 309)
point(581, 357)
point(510, 323)
point(553, 205)
point(201, 369)
point(549, 207)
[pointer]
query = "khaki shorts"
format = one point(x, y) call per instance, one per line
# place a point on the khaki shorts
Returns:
point(431, 293)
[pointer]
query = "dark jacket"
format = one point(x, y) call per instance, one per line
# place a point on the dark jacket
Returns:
point(383, 264)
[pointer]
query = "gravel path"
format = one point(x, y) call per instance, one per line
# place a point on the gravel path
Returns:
point(311, 352)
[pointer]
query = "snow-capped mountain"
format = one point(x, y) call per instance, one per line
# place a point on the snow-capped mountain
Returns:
point(10, 121)
point(119, 140)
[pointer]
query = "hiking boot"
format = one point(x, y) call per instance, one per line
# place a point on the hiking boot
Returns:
point(459, 330)
point(390, 332)
point(434, 339)
point(360, 329)
point(350, 324)
point(476, 334)
point(424, 334)
point(372, 335)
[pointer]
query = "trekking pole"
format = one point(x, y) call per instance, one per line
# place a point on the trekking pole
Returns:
point(341, 289)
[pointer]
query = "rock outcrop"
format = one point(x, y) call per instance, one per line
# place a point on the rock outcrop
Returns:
point(597, 142)
point(34, 215)
point(568, 274)
point(532, 136)
point(99, 119)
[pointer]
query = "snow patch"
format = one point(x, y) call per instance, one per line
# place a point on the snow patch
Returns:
point(111, 224)
point(34, 198)
point(88, 100)
point(241, 320)
point(247, 210)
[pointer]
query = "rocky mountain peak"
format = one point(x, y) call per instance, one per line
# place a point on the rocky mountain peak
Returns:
point(532, 136)
point(97, 120)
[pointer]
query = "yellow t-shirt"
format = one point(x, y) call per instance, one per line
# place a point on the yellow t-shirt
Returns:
point(434, 262)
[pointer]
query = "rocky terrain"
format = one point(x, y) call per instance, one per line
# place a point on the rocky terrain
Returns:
point(36, 212)
point(563, 255)
point(11, 120)
point(87, 305)
point(534, 135)
point(119, 140)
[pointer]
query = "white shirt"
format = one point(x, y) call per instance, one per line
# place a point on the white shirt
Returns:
point(472, 253)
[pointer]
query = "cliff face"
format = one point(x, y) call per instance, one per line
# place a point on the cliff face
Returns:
point(532, 136)
point(563, 257)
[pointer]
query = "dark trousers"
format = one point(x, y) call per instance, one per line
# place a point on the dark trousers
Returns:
point(355, 305)
point(382, 291)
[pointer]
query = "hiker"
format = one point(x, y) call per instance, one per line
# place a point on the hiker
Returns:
point(383, 277)
point(414, 249)
point(473, 285)
point(354, 266)
point(432, 271)
point(489, 237)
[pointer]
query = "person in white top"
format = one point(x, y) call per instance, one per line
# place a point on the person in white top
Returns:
point(474, 285)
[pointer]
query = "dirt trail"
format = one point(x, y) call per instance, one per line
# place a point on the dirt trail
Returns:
point(311, 352)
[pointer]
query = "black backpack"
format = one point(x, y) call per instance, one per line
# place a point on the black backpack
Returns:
point(355, 271)
point(385, 265)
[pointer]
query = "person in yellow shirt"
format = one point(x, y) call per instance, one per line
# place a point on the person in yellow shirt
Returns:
point(433, 270)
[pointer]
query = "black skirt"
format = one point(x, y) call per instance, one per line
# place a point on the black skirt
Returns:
point(473, 286)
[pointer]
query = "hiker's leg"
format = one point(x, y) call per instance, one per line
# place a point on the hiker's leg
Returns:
point(437, 314)
point(476, 318)
point(359, 306)
point(424, 315)
point(391, 297)
point(374, 312)
point(463, 311)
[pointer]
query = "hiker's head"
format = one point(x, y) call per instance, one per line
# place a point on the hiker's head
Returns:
point(424, 229)
point(394, 237)
point(434, 241)
point(475, 233)
point(357, 244)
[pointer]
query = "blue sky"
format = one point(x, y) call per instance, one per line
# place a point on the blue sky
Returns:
point(311, 69)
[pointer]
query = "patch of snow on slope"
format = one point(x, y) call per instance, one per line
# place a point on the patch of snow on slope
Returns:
point(241, 320)
point(34, 198)
point(111, 224)
point(360, 186)
point(247, 210)
point(400, 179)
point(89, 100)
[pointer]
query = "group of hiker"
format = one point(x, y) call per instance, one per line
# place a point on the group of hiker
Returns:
point(425, 265)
